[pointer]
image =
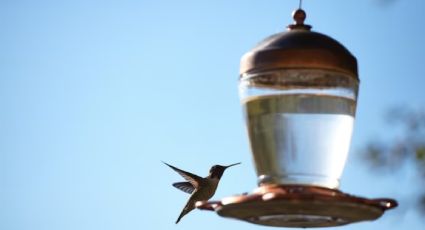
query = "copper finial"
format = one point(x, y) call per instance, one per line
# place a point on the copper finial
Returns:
point(299, 16)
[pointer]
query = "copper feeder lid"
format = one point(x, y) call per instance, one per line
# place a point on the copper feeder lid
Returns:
point(299, 48)
point(299, 206)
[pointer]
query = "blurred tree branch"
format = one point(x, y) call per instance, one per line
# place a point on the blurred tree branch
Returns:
point(407, 147)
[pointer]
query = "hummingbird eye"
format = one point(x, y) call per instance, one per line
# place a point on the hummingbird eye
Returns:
point(213, 168)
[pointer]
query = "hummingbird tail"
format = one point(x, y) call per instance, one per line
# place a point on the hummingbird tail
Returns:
point(185, 211)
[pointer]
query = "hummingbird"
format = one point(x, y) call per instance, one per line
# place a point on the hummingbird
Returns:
point(200, 188)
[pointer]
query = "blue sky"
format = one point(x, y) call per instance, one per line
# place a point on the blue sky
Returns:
point(94, 94)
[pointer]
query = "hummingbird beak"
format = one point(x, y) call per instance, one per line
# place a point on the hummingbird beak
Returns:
point(231, 165)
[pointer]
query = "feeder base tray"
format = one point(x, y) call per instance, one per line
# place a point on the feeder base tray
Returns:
point(299, 206)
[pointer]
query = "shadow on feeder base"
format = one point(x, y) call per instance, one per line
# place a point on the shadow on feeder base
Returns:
point(299, 206)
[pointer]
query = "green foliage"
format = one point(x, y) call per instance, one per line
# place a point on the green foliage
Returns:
point(407, 146)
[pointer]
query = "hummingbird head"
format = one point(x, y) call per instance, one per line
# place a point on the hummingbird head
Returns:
point(217, 170)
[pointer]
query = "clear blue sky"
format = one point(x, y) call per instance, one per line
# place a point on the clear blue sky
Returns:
point(94, 94)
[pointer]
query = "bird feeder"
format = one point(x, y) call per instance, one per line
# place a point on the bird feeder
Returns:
point(299, 92)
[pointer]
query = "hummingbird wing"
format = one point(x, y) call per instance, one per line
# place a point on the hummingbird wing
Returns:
point(190, 177)
point(184, 186)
